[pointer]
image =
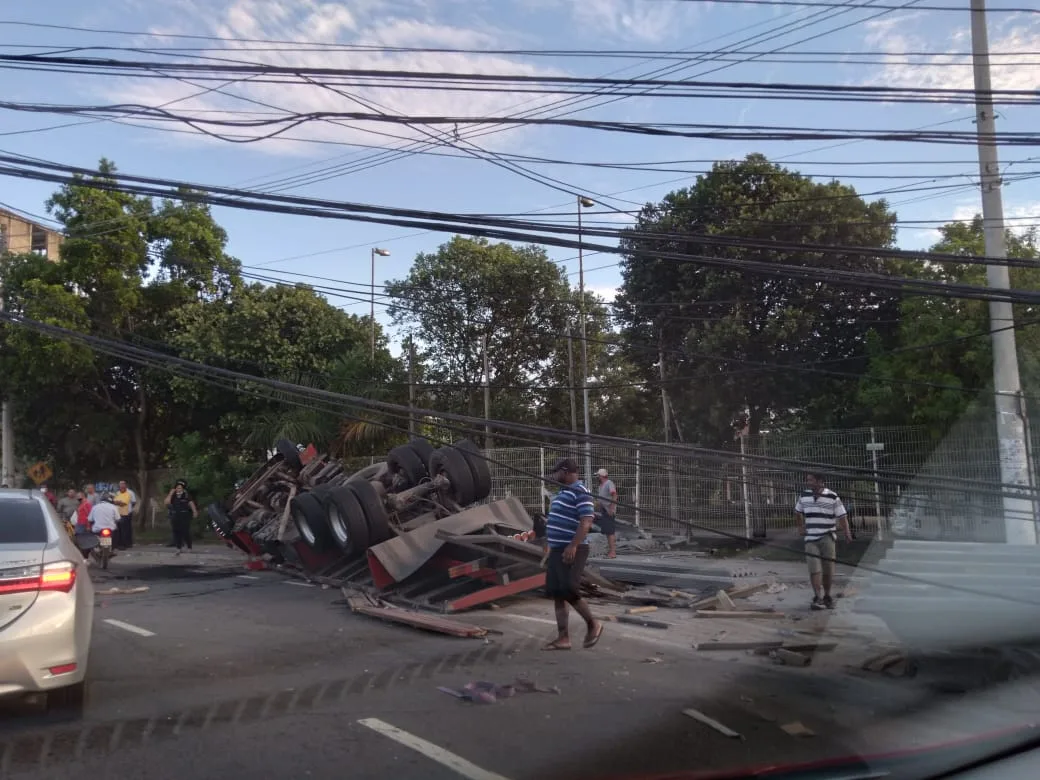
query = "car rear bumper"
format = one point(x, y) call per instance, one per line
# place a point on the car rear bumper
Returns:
point(42, 640)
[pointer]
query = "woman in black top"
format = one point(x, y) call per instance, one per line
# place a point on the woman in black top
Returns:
point(182, 512)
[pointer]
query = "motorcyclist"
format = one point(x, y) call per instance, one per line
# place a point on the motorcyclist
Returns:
point(104, 515)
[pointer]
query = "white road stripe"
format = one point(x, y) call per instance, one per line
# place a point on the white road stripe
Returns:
point(247, 577)
point(440, 755)
point(726, 731)
point(128, 627)
point(299, 584)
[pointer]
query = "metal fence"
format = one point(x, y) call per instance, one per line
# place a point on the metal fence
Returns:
point(887, 476)
point(896, 478)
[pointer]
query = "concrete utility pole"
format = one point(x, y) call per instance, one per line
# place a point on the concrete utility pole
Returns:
point(570, 381)
point(372, 311)
point(584, 203)
point(411, 387)
point(7, 432)
point(1015, 468)
point(487, 397)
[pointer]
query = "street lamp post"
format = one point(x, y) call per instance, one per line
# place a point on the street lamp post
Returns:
point(372, 313)
point(584, 203)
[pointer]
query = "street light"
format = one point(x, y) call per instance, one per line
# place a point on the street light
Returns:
point(584, 203)
point(381, 253)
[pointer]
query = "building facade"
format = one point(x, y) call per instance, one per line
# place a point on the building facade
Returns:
point(19, 235)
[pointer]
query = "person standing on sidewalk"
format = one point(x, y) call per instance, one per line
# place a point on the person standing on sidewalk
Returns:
point(607, 506)
point(182, 512)
point(570, 520)
point(125, 500)
point(820, 511)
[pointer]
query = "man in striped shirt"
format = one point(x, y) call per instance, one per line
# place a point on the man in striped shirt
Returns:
point(820, 511)
point(570, 520)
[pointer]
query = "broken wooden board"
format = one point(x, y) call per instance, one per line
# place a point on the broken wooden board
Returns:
point(809, 647)
point(706, 613)
point(435, 623)
point(763, 646)
point(640, 610)
point(798, 729)
point(742, 592)
point(724, 602)
point(634, 620)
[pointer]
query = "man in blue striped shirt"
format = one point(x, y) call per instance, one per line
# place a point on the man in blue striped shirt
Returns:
point(570, 520)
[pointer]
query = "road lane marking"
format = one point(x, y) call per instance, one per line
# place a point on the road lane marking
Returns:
point(128, 627)
point(440, 755)
point(248, 577)
point(299, 584)
point(707, 720)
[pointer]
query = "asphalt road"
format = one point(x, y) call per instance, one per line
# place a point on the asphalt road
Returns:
point(215, 673)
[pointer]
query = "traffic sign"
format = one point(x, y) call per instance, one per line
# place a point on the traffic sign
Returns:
point(40, 472)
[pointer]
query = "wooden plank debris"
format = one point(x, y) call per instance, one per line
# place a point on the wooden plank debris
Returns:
point(809, 647)
point(764, 646)
point(725, 603)
point(640, 610)
point(634, 620)
point(700, 717)
point(705, 613)
point(712, 602)
point(422, 621)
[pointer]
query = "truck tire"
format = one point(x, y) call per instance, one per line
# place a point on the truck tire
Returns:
point(308, 514)
point(375, 511)
point(219, 521)
point(289, 454)
point(405, 461)
point(478, 464)
point(423, 449)
point(452, 464)
point(347, 521)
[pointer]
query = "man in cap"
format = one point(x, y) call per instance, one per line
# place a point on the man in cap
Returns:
point(570, 519)
point(607, 510)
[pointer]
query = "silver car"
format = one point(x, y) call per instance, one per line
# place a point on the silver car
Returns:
point(46, 602)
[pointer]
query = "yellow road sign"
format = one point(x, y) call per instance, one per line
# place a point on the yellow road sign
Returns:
point(40, 472)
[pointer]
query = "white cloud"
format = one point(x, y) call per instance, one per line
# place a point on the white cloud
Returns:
point(633, 19)
point(368, 22)
point(909, 32)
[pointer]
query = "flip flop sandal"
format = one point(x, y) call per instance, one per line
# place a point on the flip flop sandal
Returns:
point(590, 641)
point(555, 645)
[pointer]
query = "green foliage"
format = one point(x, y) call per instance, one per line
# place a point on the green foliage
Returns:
point(519, 302)
point(700, 315)
point(964, 359)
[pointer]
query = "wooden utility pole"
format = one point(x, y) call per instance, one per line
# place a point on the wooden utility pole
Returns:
point(411, 387)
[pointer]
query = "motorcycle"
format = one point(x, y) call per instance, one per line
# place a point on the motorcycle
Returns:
point(98, 546)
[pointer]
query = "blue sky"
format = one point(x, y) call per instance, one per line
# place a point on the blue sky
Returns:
point(463, 184)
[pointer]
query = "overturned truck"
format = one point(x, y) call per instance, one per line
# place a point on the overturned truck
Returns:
point(415, 527)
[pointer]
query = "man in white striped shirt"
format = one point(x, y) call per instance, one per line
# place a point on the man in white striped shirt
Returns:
point(820, 511)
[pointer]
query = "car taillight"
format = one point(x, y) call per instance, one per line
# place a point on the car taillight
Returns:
point(106, 531)
point(60, 576)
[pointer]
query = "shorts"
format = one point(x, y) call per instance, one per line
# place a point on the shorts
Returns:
point(563, 580)
point(606, 523)
point(821, 556)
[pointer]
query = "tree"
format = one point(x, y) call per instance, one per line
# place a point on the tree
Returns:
point(517, 301)
point(713, 324)
point(294, 335)
point(125, 270)
point(962, 358)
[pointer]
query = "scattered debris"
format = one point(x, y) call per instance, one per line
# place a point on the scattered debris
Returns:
point(789, 657)
point(883, 661)
point(482, 692)
point(366, 605)
point(640, 610)
point(707, 721)
point(652, 660)
point(798, 729)
point(704, 613)
point(725, 602)
point(638, 621)
point(776, 587)
point(808, 647)
point(765, 645)
point(121, 591)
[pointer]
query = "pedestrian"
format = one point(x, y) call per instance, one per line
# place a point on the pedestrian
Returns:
point(182, 512)
point(49, 495)
point(105, 515)
point(67, 505)
point(820, 512)
point(570, 520)
point(125, 501)
point(607, 511)
point(83, 512)
point(91, 494)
